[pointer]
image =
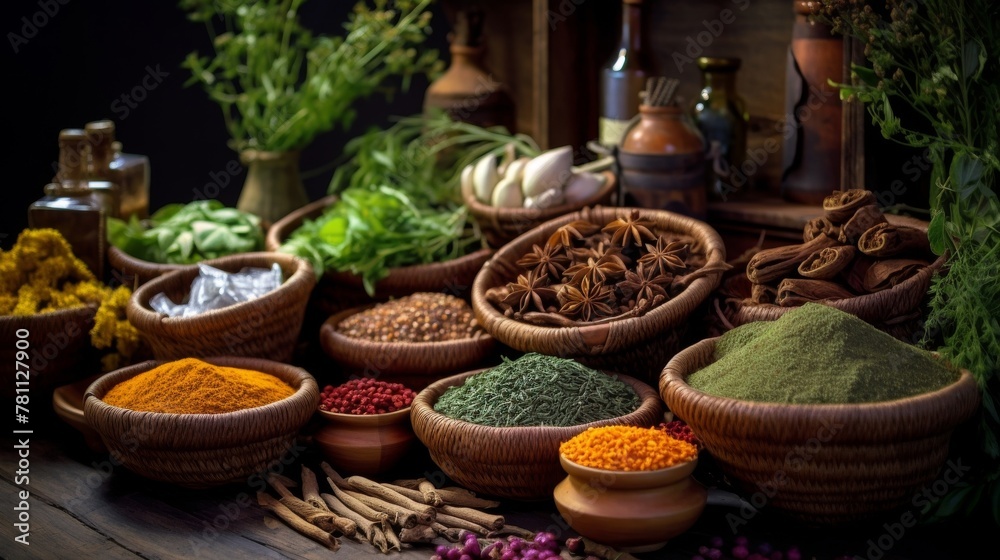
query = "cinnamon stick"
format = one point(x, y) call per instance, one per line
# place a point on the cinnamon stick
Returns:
point(487, 520)
point(462, 497)
point(451, 533)
point(430, 493)
point(459, 523)
point(819, 225)
point(334, 476)
point(863, 219)
point(839, 206)
point(793, 292)
point(320, 518)
point(310, 489)
point(295, 522)
point(827, 263)
point(418, 534)
point(359, 507)
point(763, 293)
point(368, 528)
point(885, 274)
point(392, 540)
point(886, 240)
point(398, 515)
point(377, 490)
point(774, 264)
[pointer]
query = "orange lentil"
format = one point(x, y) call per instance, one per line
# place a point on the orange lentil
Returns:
point(627, 448)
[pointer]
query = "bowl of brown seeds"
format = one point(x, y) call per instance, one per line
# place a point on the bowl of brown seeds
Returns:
point(415, 339)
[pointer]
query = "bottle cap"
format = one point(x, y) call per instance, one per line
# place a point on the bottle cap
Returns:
point(70, 136)
point(101, 132)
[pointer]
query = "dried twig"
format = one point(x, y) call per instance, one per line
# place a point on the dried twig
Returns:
point(295, 522)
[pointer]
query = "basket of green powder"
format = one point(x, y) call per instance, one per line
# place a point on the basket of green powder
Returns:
point(819, 414)
point(497, 431)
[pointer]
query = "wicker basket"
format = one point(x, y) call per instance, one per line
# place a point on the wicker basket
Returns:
point(134, 272)
point(414, 364)
point(638, 345)
point(338, 291)
point(204, 450)
point(520, 463)
point(57, 345)
point(502, 225)
point(267, 327)
point(827, 464)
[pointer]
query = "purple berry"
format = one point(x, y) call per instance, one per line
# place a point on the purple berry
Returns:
point(742, 541)
point(703, 550)
point(717, 542)
point(740, 552)
point(793, 554)
point(765, 548)
point(714, 554)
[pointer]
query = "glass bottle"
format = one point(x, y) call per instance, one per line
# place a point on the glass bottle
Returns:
point(468, 91)
point(129, 171)
point(74, 206)
point(623, 77)
point(722, 117)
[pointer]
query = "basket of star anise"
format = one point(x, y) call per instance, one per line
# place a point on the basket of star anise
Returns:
point(609, 287)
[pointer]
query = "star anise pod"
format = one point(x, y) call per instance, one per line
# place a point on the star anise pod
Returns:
point(596, 270)
point(596, 252)
point(666, 256)
point(529, 290)
point(644, 283)
point(548, 260)
point(587, 302)
point(573, 231)
point(633, 229)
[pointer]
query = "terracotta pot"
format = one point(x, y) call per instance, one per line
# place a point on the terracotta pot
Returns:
point(365, 444)
point(662, 161)
point(636, 511)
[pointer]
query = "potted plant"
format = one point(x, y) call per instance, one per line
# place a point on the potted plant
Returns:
point(938, 57)
point(279, 85)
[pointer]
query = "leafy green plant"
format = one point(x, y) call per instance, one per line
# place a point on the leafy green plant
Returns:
point(279, 85)
point(186, 234)
point(399, 201)
point(939, 58)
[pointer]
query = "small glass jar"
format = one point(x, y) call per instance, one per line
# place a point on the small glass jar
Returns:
point(722, 117)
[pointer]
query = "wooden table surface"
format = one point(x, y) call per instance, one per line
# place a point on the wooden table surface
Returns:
point(82, 506)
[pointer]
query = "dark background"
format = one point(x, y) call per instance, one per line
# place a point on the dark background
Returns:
point(91, 52)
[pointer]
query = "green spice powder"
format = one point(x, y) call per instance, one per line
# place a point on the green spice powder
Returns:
point(817, 354)
point(538, 390)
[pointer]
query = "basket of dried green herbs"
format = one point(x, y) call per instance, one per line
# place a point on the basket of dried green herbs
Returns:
point(414, 340)
point(497, 431)
point(611, 287)
point(820, 414)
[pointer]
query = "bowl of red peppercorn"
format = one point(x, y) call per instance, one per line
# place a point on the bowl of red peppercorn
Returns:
point(415, 339)
point(367, 429)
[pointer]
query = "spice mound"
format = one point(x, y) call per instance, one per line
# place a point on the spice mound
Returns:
point(817, 354)
point(419, 317)
point(191, 386)
point(627, 448)
point(538, 390)
point(366, 396)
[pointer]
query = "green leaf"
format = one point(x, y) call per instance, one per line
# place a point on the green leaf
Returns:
point(936, 233)
point(953, 501)
point(867, 75)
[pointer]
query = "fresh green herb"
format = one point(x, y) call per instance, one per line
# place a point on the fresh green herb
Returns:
point(938, 57)
point(399, 199)
point(279, 85)
point(186, 234)
point(538, 390)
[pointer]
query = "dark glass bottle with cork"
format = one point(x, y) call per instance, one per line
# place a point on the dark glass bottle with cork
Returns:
point(129, 171)
point(75, 206)
point(623, 78)
point(721, 115)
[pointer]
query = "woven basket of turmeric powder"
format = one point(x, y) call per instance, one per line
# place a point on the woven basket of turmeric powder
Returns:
point(267, 327)
point(196, 446)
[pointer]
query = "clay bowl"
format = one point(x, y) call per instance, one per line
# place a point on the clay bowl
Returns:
point(637, 511)
point(365, 444)
point(67, 401)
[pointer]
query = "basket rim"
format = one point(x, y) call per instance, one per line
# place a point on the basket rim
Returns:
point(276, 235)
point(119, 259)
point(675, 389)
point(138, 310)
point(333, 341)
point(600, 338)
point(306, 392)
point(58, 315)
point(492, 215)
point(423, 405)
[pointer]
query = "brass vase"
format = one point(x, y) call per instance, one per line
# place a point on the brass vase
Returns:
point(273, 187)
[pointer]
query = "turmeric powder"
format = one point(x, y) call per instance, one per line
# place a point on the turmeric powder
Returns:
point(627, 448)
point(191, 386)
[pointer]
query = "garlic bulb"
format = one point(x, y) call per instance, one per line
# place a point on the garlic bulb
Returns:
point(582, 186)
point(507, 194)
point(547, 171)
point(485, 177)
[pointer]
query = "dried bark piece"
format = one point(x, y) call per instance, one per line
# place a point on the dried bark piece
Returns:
point(763, 293)
point(793, 292)
point(885, 274)
point(827, 263)
point(886, 240)
point(839, 206)
point(866, 217)
point(774, 264)
point(819, 225)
